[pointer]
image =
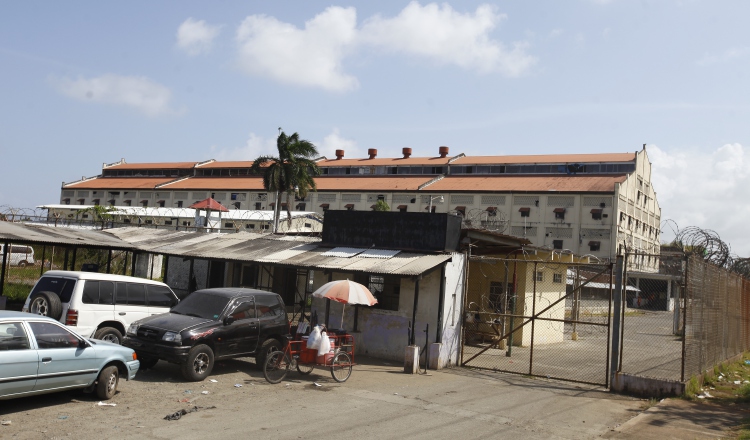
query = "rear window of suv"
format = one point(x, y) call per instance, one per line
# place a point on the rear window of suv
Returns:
point(62, 287)
point(269, 306)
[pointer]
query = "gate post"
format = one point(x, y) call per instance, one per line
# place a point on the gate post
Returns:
point(616, 321)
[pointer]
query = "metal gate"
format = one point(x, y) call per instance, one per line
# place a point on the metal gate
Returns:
point(539, 318)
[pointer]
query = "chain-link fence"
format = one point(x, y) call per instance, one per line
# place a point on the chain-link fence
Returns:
point(717, 319)
point(539, 318)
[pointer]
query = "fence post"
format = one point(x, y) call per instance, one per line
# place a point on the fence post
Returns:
point(616, 320)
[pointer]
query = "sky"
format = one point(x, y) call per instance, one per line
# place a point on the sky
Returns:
point(84, 83)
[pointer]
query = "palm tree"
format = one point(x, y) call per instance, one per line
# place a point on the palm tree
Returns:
point(291, 172)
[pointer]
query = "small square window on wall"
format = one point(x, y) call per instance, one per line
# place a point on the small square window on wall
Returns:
point(595, 245)
point(540, 276)
point(524, 211)
point(557, 244)
point(559, 213)
point(596, 214)
point(557, 278)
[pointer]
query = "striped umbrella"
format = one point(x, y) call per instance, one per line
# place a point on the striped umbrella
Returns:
point(347, 292)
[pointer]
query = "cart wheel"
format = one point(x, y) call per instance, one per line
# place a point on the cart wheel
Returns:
point(341, 367)
point(304, 368)
point(276, 366)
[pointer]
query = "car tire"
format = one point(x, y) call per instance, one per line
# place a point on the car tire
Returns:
point(199, 363)
point(109, 334)
point(268, 346)
point(107, 383)
point(46, 304)
point(147, 362)
point(22, 264)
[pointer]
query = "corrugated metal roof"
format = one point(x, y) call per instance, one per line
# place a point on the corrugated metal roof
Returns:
point(119, 183)
point(233, 214)
point(343, 252)
point(564, 183)
point(49, 235)
point(545, 159)
point(289, 253)
point(377, 253)
point(359, 183)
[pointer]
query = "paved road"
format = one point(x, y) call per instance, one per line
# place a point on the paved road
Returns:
point(379, 401)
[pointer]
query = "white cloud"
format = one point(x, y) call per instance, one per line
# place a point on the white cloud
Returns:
point(254, 146)
point(334, 141)
point(314, 55)
point(308, 57)
point(195, 36)
point(724, 57)
point(440, 33)
point(136, 92)
point(707, 189)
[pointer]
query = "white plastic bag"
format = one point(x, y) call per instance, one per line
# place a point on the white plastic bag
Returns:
point(325, 344)
point(313, 342)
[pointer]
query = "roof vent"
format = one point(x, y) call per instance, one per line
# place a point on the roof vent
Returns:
point(443, 151)
point(339, 154)
point(406, 152)
point(372, 152)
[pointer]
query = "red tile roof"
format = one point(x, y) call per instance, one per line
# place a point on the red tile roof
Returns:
point(228, 164)
point(218, 183)
point(148, 166)
point(545, 159)
point(209, 203)
point(562, 183)
point(386, 161)
point(119, 183)
point(385, 183)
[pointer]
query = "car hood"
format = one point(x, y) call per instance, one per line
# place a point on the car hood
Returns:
point(172, 322)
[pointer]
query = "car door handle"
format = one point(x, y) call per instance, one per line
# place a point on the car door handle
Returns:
point(122, 313)
point(46, 360)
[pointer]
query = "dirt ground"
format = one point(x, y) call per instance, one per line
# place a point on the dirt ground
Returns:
point(378, 401)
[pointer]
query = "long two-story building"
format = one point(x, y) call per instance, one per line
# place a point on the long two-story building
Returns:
point(588, 204)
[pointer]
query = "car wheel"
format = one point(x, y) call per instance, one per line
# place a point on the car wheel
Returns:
point(22, 264)
point(109, 334)
point(199, 363)
point(268, 347)
point(46, 304)
point(147, 362)
point(107, 385)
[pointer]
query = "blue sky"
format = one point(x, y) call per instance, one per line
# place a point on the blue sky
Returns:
point(85, 83)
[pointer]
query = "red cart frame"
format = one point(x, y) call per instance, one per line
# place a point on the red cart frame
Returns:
point(296, 354)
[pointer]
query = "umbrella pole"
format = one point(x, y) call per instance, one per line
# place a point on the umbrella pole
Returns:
point(342, 315)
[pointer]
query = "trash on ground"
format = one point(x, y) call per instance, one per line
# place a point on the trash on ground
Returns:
point(178, 415)
point(62, 417)
point(212, 380)
point(737, 382)
point(106, 404)
point(188, 391)
point(204, 392)
point(5, 422)
point(747, 362)
point(317, 384)
point(237, 385)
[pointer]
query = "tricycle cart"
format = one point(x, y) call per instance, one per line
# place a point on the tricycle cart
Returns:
point(296, 354)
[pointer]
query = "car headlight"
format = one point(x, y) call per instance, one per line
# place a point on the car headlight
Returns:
point(172, 337)
point(133, 329)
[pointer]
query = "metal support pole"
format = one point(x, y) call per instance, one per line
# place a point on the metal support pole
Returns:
point(132, 264)
point(2, 270)
point(533, 321)
point(166, 269)
point(190, 277)
point(65, 259)
point(109, 261)
point(414, 311)
point(441, 305)
point(685, 295)
point(512, 310)
point(617, 319)
point(328, 302)
point(44, 257)
point(73, 260)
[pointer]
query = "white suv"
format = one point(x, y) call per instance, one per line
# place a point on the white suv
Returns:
point(97, 305)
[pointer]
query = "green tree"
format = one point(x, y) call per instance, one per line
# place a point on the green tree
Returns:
point(290, 173)
point(381, 205)
point(100, 213)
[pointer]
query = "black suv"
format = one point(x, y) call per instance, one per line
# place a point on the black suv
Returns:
point(209, 325)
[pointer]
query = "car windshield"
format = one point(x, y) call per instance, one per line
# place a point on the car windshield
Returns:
point(201, 305)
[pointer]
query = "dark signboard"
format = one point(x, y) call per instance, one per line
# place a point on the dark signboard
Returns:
point(392, 230)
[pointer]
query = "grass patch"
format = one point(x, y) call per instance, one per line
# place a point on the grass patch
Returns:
point(729, 384)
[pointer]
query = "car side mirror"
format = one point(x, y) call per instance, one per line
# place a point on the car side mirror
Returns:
point(228, 320)
point(83, 344)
